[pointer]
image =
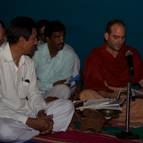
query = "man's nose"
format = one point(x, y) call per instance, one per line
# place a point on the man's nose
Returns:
point(120, 40)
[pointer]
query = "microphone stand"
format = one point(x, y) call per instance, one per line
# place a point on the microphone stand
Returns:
point(127, 134)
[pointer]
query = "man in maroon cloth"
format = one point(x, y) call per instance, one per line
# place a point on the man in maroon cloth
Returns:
point(106, 70)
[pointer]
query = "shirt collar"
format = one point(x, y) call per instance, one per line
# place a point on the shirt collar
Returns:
point(7, 53)
point(8, 56)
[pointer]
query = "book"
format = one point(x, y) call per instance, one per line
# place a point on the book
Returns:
point(137, 93)
point(73, 80)
point(104, 103)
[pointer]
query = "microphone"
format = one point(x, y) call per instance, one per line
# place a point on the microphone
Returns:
point(130, 62)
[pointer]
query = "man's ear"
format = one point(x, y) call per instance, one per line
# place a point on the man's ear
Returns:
point(48, 39)
point(21, 39)
point(106, 36)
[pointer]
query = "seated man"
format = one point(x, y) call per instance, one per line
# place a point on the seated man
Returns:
point(106, 71)
point(2, 33)
point(55, 62)
point(23, 111)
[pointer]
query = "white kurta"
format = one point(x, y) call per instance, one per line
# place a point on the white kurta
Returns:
point(16, 86)
point(20, 97)
point(51, 69)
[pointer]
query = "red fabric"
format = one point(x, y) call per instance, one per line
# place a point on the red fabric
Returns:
point(101, 66)
point(79, 137)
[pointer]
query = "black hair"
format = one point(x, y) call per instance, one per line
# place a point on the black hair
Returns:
point(112, 22)
point(20, 26)
point(54, 26)
point(41, 23)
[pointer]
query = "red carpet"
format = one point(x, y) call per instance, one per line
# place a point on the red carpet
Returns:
point(79, 137)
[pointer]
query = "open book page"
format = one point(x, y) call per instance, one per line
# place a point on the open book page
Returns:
point(105, 103)
point(137, 92)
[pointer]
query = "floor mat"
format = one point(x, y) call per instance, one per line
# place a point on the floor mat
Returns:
point(79, 137)
point(116, 130)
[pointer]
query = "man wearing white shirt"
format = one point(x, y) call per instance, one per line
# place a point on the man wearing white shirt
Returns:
point(2, 32)
point(23, 111)
point(55, 62)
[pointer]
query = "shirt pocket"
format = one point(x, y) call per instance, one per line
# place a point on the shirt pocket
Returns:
point(26, 84)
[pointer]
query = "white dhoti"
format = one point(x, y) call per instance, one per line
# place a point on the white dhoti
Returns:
point(62, 111)
point(17, 132)
point(60, 91)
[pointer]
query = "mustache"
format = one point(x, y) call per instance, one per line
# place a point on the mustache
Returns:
point(60, 45)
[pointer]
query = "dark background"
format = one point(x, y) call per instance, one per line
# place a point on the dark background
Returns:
point(85, 20)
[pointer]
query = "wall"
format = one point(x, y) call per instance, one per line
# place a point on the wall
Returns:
point(85, 19)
